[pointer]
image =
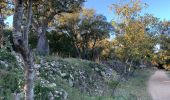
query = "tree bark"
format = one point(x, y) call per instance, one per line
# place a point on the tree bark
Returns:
point(1, 29)
point(78, 53)
point(16, 96)
point(1, 35)
point(29, 76)
point(20, 38)
point(43, 45)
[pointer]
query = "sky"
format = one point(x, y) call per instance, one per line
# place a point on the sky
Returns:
point(159, 8)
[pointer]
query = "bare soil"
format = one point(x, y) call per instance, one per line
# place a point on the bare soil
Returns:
point(159, 86)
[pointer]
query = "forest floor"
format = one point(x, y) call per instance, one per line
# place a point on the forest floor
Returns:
point(159, 85)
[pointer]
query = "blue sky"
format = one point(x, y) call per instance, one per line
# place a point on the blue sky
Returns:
point(159, 8)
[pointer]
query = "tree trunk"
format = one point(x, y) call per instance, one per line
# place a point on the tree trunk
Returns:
point(1, 30)
point(43, 45)
point(29, 76)
point(94, 52)
point(16, 96)
point(1, 35)
point(78, 51)
point(20, 39)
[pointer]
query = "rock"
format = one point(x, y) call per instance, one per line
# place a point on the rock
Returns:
point(103, 73)
point(37, 66)
point(63, 74)
point(37, 73)
point(16, 96)
point(52, 85)
point(142, 66)
point(42, 61)
point(4, 63)
point(57, 92)
point(51, 96)
point(70, 82)
point(96, 69)
point(65, 94)
point(71, 76)
point(109, 72)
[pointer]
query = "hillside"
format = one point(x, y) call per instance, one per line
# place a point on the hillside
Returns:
point(58, 78)
point(72, 79)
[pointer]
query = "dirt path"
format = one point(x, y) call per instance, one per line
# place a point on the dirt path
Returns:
point(159, 86)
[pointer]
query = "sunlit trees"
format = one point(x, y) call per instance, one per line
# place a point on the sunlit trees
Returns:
point(43, 14)
point(59, 44)
point(5, 10)
point(162, 56)
point(132, 41)
point(6, 7)
point(165, 51)
point(84, 29)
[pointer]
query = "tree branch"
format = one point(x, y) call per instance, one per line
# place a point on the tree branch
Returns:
point(26, 29)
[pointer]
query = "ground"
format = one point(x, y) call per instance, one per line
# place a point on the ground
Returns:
point(75, 79)
point(159, 86)
point(135, 88)
point(147, 84)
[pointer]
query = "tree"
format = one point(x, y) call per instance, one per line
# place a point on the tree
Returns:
point(59, 44)
point(6, 7)
point(162, 56)
point(85, 29)
point(151, 23)
point(133, 43)
point(20, 38)
point(5, 10)
point(43, 17)
point(128, 10)
point(1, 32)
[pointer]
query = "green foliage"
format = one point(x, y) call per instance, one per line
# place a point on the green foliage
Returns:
point(133, 41)
point(6, 8)
point(59, 44)
point(162, 56)
point(113, 83)
point(11, 74)
point(84, 30)
point(33, 40)
point(135, 44)
point(6, 56)
point(129, 9)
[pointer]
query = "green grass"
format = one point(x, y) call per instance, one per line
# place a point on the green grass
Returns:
point(135, 88)
point(75, 94)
